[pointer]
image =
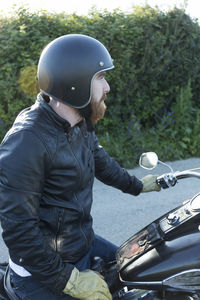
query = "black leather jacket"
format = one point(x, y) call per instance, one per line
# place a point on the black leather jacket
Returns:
point(47, 169)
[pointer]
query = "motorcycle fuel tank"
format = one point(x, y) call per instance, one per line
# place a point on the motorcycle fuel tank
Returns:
point(168, 246)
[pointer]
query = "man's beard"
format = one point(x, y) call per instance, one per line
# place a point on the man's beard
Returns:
point(98, 110)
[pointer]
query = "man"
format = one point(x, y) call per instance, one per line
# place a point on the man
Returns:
point(48, 161)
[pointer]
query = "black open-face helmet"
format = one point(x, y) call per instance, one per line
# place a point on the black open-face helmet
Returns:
point(68, 65)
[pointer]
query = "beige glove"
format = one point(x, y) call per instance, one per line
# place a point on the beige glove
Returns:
point(150, 184)
point(87, 285)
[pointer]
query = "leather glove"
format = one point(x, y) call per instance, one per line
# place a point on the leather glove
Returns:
point(88, 285)
point(150, 184)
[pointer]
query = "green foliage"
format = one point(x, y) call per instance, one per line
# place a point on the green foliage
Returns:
point(28, 81)
point(154, 100)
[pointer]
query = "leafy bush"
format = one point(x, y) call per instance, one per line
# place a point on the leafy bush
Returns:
point(154, 98)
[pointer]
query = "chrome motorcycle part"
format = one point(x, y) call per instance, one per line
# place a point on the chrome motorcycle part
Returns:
point(166, 180)
point(149, 160)
point(188, 281)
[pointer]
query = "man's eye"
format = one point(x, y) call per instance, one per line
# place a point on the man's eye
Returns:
point(102, 76)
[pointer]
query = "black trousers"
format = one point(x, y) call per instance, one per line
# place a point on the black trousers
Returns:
point(27, 288)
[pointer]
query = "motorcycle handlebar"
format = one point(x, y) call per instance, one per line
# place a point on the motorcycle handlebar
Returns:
point(167, 180)
point(187, 174)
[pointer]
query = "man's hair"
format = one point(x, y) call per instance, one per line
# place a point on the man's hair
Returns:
point(45, 97)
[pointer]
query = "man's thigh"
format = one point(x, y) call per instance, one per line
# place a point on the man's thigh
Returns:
point(26, 288)
point(104, 249)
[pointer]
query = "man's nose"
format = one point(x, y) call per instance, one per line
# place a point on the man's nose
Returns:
point(107, 87)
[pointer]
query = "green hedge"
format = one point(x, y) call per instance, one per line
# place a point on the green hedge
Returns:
point(154, 100)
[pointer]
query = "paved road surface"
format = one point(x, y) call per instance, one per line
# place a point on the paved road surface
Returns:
point(118, 216)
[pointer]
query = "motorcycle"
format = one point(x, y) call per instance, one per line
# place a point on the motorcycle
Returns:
point(161, 261)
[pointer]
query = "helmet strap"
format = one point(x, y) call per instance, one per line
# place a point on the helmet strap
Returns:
point(86, 112)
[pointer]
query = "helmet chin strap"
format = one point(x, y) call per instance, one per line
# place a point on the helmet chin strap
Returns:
point(86, 112)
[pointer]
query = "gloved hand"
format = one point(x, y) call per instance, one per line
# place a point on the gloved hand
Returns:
point(150, 184)
point(87, 285)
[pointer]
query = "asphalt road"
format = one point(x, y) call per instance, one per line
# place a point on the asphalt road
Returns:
point(117, 216)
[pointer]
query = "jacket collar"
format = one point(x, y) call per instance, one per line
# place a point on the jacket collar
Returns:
point(52, 114)
point(60, 121)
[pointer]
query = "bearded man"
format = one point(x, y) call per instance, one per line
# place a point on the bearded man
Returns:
point(48, 161)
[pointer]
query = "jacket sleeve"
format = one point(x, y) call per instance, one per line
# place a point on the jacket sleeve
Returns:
point(109, 172)
point(23, 161)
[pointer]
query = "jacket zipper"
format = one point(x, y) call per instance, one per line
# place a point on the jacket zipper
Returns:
point(58, 228)
point(80, 171)
point(84, 235)
point(79, 167)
